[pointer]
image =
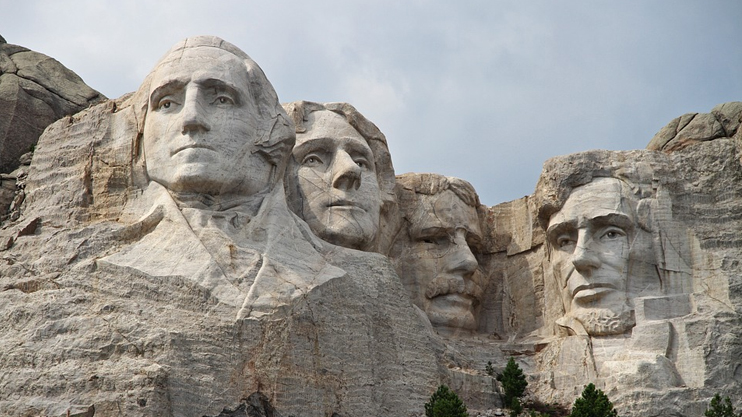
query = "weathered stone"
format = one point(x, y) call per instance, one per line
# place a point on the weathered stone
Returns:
point(35, 90)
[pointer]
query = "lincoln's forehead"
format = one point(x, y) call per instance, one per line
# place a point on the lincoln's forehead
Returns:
point(601, 197)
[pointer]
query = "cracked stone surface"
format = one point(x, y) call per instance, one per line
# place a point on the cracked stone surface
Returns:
point(35, 90)
point(145, 273)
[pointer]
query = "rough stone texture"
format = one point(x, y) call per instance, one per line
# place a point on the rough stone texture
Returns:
point(676, 356)
point(120, 297)
point(723, 121)
point(35, 90)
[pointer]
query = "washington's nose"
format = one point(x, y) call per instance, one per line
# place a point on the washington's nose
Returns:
point(346, 173)
point(193, 116)
point(462, 259)
point(584, 258)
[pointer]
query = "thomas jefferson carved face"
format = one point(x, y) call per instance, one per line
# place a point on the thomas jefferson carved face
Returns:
point(333, 169)
point(200, 126)
point(438, 267)
point(590, 240)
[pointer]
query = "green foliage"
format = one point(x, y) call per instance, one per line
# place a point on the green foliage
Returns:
point(445, 403)
point(513, 382)
point(515, 407)
point(717, 408)
point(489, 369)
point(593, 403)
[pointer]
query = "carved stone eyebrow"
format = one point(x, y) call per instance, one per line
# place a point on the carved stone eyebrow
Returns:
point(562, 227)
point(311, 144)
point(613, 219)
point(221, 85)
point(165, 88)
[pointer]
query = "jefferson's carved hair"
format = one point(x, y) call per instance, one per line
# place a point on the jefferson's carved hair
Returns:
point(275, 134)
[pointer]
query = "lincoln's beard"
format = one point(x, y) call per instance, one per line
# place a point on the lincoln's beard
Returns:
point(605, 321)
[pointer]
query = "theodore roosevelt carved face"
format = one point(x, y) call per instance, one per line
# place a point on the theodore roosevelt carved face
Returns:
point(590, 239)
point(436, 260)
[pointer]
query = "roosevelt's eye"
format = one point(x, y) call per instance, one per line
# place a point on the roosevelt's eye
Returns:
point(564, 241)
point(362, 162)
point(434, 240)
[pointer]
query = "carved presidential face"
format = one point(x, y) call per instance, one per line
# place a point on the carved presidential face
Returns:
point(200, 126)
point(333, 171)
point(590, 240)
point(438, 267)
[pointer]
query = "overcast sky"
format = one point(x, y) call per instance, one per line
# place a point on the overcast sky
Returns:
point(481, 90)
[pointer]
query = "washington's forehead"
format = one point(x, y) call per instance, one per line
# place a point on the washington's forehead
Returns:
point(200, 62)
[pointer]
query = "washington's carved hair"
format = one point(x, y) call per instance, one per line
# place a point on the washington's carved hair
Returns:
point(275, 133)
point(299, 112)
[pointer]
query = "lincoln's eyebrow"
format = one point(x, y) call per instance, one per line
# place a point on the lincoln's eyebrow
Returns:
point(559, 228)
point(166, 87)
point(613, 219)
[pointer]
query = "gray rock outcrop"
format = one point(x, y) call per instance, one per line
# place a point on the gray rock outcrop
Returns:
point(35, 90)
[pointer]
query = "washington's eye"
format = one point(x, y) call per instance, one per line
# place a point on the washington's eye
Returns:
point(165, 105)
point(361, 163)
point(224, 100)
point(435, 240)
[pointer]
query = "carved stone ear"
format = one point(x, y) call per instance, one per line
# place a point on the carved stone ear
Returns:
point(644, 213)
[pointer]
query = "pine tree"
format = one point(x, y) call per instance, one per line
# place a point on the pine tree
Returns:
point(593, 403)
point(513, 382)
point(445, 403)
point(719, 409)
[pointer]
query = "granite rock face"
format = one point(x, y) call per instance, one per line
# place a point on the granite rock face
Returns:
point(35, 90)
point(163, 259)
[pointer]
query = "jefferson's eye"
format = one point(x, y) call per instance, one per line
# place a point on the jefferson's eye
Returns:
point(435, 240)
point(225, 100)
point(165, 105)
point(311, 160)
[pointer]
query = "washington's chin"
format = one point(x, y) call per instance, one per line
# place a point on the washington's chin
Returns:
point(453, 311)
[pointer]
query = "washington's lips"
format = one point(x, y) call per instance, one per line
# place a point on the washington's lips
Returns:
point(191, 146)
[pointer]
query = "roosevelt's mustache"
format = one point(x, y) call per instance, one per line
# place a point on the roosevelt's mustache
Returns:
point(447, 284)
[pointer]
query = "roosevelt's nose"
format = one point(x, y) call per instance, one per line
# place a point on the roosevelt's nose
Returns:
point(193, 114)
point(346, 174)
point(584, 257)
point(461, 258)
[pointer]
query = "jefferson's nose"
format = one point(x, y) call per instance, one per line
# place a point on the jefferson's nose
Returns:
point(193, 114)
point(346, 173)
point(584, 257)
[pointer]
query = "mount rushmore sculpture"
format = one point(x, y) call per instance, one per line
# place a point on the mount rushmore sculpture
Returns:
point(196, 244)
